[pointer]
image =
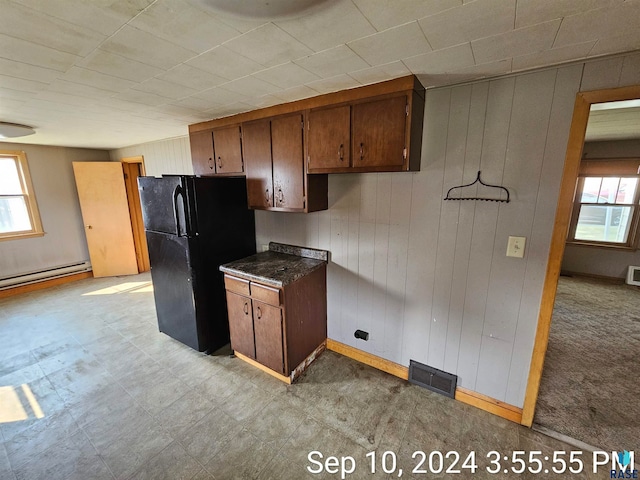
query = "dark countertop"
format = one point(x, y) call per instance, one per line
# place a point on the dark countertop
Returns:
point(276, 268)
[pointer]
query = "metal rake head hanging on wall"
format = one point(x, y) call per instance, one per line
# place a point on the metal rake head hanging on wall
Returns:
point(486, 199)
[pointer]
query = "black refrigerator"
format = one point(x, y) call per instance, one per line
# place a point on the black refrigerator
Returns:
point(193, 225)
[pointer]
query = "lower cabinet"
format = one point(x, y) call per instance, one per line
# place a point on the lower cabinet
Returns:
point(278, 327)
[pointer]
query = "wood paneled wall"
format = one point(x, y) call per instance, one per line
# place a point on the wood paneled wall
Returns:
point(428, 279)
point(163, 157)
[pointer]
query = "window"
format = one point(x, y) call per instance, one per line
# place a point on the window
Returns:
point(605, 208)
point(19, 216)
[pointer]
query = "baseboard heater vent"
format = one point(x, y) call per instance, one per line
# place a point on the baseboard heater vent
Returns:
point(633, 276)
point(34, 277)
point(433, 379)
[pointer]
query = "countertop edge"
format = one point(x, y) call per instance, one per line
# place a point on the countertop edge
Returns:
point(266, 280)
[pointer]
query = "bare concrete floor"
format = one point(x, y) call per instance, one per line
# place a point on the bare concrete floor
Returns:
point(90, 390)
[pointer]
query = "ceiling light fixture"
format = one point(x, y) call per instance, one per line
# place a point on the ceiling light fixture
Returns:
point(263, 9)
point(13, 130)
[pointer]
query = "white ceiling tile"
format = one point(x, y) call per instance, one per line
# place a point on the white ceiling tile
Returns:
point(286, 75)
point(250, 87)
point(530, 12)
point(184, 24)
point(118, 66)
point(263, 101)
point(441, 61)
point(146, 48)
point(92, 78)
point(28, 72)
point(268, 45)
point(19, 21)
point(380, 73)
point(553, 56)
point(15, 83)
point(103, 17)
point(385, 14)
point(295, 93)
point(475, 72)
point(227, 110)
point(340, 22)
point(398, 42)
point(217, 96)
point(333, 84)
point(14, 95)
point(70, 88)
point(621, 43)
point(142, 97)
point(601, 23)
point(241, 24)
point(224, 63)
point(478, 19)
point(332, 62)
point(164, 88)
point(191, 77)
point(34, 54)
point(176, 110)
point(516, 42)
point(65, 99)
point(630, 74)
point(194, 103)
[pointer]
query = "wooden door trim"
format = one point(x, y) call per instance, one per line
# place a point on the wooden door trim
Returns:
point(135, 211)
point(572, 161)
point(137, 159)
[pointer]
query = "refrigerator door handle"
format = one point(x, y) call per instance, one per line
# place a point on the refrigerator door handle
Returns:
point(176, 215)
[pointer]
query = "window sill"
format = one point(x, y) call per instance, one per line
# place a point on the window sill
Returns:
point(606, 246)
point(20, 236)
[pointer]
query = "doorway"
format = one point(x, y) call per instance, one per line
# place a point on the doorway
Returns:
point(133, 167)
point(582, 107)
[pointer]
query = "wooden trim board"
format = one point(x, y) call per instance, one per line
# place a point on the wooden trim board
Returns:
point(572, 161)
point(258, 365)
point(374, 361)
point(489, 404)
point(295, 373)
point(463, 395)
point(52, 282)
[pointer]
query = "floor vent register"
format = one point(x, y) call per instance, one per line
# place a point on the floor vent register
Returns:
point(433, 379)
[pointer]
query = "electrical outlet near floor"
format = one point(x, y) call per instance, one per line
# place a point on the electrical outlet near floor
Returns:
point(515, 247)
point(265, 248)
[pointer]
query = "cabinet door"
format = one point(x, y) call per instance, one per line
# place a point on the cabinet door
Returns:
point(379, 133)
point(268, 333)
point(240, 313)
point(228, 152)
point(202, 153)
point(288, 161)
point(256, 147)
point(329, 134)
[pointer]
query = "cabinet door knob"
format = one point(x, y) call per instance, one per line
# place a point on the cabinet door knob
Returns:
point(361, 151)
point(258, 312)
point(219, 162)
point(280, 196)
point(210, 162)
point(267, 198)
point(246, 308)
point(341, 152)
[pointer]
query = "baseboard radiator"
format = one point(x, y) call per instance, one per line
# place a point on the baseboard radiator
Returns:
point(48, 274)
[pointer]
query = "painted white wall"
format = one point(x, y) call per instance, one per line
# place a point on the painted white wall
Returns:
point(64, 241)
point(428, 279)
point(172, 155)
point(594, 260)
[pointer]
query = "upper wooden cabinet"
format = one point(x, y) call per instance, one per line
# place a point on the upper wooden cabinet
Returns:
point(287, 150)
point(365, 136)
point(217, 151)
point(274, 156)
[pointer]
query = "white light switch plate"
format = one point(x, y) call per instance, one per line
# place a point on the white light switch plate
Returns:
point(515, 247)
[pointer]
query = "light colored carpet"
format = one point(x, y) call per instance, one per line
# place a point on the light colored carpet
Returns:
point(590, 387)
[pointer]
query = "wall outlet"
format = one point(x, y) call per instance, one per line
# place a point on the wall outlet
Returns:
point(265, 248)
point(515, 247)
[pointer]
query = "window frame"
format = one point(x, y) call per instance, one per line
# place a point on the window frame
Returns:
point(605, 167)
point(28, 193)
